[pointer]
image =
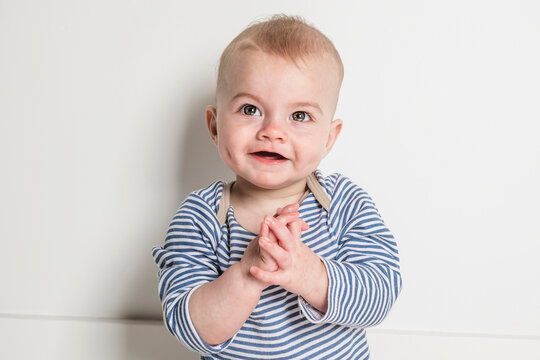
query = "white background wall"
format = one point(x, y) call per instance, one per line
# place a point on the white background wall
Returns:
point(102, 135)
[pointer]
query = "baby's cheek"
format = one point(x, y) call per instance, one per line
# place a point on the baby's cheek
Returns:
point(312, 159)
point(225, 154)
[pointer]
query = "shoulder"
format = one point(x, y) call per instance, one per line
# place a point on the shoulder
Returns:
point(338, 185)
point(346, 196)
point(196, 220)
point(203, 203)
point(210, 195)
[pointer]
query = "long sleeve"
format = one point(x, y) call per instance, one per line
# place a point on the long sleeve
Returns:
point(188, 260)
point(364, 276)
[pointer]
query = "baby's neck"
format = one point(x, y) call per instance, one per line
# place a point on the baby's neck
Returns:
point(243, 191)
point(252, 203)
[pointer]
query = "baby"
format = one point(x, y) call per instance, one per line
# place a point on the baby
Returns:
point(284, 262)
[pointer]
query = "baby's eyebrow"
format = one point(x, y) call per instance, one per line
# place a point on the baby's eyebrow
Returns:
point(308, 104)
point(244, 94)
point(297, 104)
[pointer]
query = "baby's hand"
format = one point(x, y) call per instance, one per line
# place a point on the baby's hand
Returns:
point(300, 270)
point(287, 215)
point(291, 208)
point(254, 255)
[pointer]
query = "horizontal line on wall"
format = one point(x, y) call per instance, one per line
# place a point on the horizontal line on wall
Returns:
point(453, 334)
point(156, 321)
point(131, 320)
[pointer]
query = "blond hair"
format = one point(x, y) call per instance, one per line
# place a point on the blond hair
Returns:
point(287, 36)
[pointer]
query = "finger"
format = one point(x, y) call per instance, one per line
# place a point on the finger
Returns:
point(266, 233)
point(291, 207)
point(280, 212)
point(281, 256)
point(305, 225)
point(281, 232)
point(272, 238)
point(265, 276)
point(286, 209)
point(264, 230)
point(258, 273)
point(290, 218)
point(287, 217)
point(296, 228)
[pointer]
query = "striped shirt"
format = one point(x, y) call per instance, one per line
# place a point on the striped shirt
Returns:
point(357, 248)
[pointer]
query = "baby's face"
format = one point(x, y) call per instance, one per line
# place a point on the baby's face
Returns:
point(273, 123)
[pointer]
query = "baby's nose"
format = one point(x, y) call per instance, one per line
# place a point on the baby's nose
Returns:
point(272, 129)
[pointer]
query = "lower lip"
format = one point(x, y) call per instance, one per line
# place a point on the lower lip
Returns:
point(267, 160)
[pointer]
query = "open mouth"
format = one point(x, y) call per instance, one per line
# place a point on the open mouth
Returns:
point(270, 155)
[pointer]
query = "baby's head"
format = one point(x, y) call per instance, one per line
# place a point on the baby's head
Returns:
point(288, 37)
point(277, 91)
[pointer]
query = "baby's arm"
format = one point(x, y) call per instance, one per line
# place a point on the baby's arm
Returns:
point(188, 264)
point(362, 281)
point(364, 276)
point(218, 309)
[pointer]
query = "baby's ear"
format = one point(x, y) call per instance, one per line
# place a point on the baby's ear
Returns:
point(335, 129)
point(211, 122)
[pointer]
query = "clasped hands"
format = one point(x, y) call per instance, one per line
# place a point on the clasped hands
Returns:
point(278, 256)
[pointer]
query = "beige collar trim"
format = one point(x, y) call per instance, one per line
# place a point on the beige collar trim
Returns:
point(313, 186)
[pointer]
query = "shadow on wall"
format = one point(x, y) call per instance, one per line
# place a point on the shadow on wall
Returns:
point(198, 164)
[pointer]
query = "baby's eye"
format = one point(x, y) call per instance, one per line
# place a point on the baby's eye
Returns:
point(251, 110)
point(300, 116)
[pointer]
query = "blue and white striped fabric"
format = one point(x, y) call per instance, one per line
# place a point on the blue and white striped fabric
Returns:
point(357, 248)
